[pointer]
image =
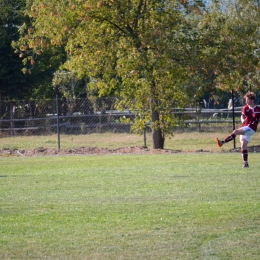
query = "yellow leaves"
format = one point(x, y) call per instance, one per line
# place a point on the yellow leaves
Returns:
point(66, 28)
point(30, 30)
point(196, 10)
point(23, 47)
point(184, 2)
point(42, 43)
point(87, 4)
point(53, 41)
point(99, 4)
point(43, 6)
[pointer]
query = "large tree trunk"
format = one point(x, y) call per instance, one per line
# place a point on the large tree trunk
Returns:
point(158, 139)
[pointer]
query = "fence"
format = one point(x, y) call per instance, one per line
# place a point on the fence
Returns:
point(70, 124)
point(44, 117)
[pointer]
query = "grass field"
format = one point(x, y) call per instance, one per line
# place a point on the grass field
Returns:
point(179, 206)
point(192, 141)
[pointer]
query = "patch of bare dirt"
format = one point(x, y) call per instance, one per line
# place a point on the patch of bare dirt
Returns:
point(251, 149)
point(103, 151)
point(81, 151)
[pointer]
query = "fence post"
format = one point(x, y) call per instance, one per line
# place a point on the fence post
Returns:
point(145, 136)
point(233, 114)
point(12, 108)
point(58, 120)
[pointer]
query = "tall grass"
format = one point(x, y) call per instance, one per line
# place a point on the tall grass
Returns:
point(192, 141)
point(180, 206)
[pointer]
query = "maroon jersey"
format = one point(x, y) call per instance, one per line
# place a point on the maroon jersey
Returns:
point(252, 116)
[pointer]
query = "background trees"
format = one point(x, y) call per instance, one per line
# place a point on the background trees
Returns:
point(140, 51)
point(232, 38)
point(11, 75)
point(153, 56)
point(14, 82)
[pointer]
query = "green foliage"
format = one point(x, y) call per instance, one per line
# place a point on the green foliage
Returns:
point(153, 56)
point(66, 82)
point(139, 51)
point(12, 81)
point(231, 32)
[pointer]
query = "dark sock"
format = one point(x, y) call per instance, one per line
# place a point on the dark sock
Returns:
point(230, 138)
point(244, 155)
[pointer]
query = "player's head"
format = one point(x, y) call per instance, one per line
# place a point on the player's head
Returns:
point(250, 95)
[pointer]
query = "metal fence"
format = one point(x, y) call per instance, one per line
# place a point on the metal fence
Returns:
point(65, 124)
point(44, 117)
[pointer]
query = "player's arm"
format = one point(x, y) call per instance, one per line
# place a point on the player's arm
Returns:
point(243, 117)
point(243, 114)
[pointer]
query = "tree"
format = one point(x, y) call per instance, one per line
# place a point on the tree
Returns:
point(140, 51)
point(232, 34)
point(14, 84)
point(10, 65)
point(67, 83)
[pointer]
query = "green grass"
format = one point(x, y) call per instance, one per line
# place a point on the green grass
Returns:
point(192, 141)
point(179, 206)
point(107, 140)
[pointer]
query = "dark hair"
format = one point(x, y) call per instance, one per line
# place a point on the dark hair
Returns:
point(250, 95)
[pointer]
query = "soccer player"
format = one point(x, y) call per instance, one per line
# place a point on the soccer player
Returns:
point(249, 117)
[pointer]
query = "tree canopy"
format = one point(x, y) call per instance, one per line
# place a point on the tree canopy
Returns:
point(232, 31)
point(153, 56)
point(140, 51)
point(14, 84)
point(10, 64)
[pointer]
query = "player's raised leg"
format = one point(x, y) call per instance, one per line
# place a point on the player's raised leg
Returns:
point(228, 139)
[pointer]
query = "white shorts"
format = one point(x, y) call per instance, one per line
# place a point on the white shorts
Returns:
point(248, 133)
